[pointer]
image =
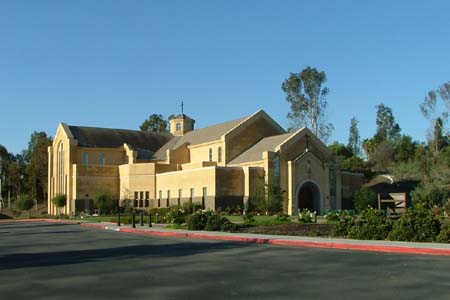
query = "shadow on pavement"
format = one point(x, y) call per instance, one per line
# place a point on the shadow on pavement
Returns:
point(44, 259)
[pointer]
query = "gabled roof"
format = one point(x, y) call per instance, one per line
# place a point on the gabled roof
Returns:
point(143, 141)
point(161, 154)
point(266, 144)
point(207, 134)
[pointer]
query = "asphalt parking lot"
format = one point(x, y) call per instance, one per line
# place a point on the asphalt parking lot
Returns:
point(59, 261)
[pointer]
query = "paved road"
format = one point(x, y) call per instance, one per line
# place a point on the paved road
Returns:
point(57, 261)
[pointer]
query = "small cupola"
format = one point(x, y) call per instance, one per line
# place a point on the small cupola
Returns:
point(181, 124)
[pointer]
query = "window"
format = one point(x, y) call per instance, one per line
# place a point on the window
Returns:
point(180, 192)
point(135, 202)
point(85, 158)
point(147, 195)
point(168, 199)
point(178, 127)
point(204, 197)
point(141, 195)
point(101, 159)
point(60, 170)
point(159, 198)
point(219, 154)
point(210, 154)
point(147, 199)
point(191, 196)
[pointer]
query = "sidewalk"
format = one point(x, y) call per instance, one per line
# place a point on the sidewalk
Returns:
point(295, 241)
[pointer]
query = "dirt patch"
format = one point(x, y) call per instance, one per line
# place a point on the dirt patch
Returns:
point(292, 229)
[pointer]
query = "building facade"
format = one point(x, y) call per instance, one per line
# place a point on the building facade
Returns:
point(218, 166)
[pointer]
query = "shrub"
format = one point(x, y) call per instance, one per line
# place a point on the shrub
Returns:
point(305, 216)
point(430, 195)
point(444, 235)
point(197, 221)
point(282, 219)
point(24, 202)
point(334, 216)
point(417, 224)
point(59, 200)
point(214, 222)
point(345, 222)
point(176, 216)
point(191, 208)
point(371, 224)
point(249, 219)
point(228, 226)
point(365, 198)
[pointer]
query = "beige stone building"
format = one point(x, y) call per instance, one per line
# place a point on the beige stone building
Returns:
point(218, 166)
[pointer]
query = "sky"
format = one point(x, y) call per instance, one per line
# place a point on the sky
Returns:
point(114, 63)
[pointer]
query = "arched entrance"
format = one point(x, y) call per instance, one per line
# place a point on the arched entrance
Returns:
point(308, 197)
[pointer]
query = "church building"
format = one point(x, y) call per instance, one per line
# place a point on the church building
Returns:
point(218, 166)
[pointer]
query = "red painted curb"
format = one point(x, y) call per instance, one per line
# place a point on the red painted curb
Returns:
point(372, 248)
point(280, 242)
point(294, 243)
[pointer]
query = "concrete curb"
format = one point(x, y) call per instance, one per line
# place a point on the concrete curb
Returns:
point(282, 241)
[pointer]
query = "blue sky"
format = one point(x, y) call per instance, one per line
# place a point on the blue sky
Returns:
point(113, 63)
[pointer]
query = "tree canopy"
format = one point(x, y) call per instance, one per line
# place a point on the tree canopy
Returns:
point(154, 123)
point(306, 96)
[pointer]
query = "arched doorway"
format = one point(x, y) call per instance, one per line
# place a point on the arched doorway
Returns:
point(308, 197)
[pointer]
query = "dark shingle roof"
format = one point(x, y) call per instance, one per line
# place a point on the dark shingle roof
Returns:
point(266, 144)
point(207, 134)
point(96, 137)
point(182, 116)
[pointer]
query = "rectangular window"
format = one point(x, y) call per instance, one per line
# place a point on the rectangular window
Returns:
point(147, 195)
point(136, 194)
point(180, 192)
point(85, 158)
point(191, 196)
point(141, 195)
point(168, 199)
point(204, 197)
point(101, 159)
point(219, 154)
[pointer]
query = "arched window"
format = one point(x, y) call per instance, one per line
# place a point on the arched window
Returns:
point(210, 154)
point(60, 169)
point(219, 154)
point(178, 127)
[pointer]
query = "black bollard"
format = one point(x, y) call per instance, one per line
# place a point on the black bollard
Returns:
point(133, 220)
point(149, 219)
point(142, 218)
point(118, 218)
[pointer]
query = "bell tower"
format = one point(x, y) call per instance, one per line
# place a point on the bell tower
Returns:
point(181, 124)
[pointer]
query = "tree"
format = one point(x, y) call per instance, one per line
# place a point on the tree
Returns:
point(307, 100)
point(338, 149)
point(103, 202)
point(365, 197)
point(387, 128)
point(404, 149)
point(154, 123)
point(37, 168)
point(354, 138)
point(59, 201)
point(429, 106)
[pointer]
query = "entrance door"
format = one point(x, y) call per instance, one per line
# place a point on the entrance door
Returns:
point(309, 197)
